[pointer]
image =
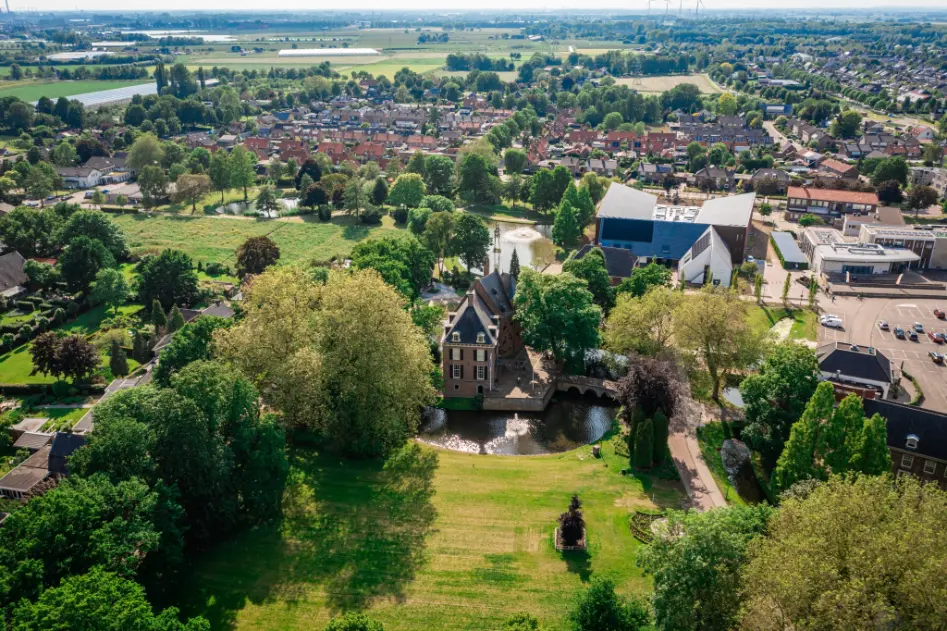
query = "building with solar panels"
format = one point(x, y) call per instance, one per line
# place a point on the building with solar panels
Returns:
point(706, 238)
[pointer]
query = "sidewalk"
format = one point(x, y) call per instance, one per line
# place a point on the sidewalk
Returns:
point(695, 476)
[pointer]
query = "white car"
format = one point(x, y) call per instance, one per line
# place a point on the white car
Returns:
point(835, 323)
point(828, 316)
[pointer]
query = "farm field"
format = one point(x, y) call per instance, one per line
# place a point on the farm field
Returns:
point(214, 239)
point(478, 550)
point(664, 83)
point(31, 90)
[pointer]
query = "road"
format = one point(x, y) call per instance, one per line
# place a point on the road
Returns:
point(780, 137)
point(861, 319)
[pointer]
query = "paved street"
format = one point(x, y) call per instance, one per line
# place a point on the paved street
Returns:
point(861, 319)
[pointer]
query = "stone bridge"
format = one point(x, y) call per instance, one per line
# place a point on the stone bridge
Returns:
point(583, 385)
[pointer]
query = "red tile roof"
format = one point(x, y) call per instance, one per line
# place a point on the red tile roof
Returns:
point(831, 195)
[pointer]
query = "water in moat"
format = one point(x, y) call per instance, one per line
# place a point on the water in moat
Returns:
point(532, 244)
point(567, 422)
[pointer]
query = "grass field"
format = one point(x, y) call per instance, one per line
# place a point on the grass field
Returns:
point(804, 325)
point(710, 437)
point(665, 83)
point(31, 90)
point(61, 419)
point(214, 239)
point(479, 549)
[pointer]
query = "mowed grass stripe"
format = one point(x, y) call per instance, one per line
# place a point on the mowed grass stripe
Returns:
point(487, 551)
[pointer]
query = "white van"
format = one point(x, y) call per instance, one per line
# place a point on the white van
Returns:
point(835, 323)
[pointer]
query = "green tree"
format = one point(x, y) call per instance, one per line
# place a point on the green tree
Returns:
point(438, 175)
point(894, 168)
point(921, 198)
point(98, 226)
point(643, 279)
point(846, 124)
point(644, 444)
point(408, 190)
point(591, 268)
point(193, 342)
point(612, 120)
point(558, 314)
point(402, 261)
point(64, 155)
point(438, 232)
point(267, 201)
point(219, 172)
point(776, 396)
point(786, 287)
point(341, 357)
point(168, 277)
point(726, 104)
point(190, 189)
point(696, 564)
point(825, 562)
point(175, 319)
point(379, 191)
point(146, 151)
point(565, 229)
point(470, 240)
point(643, 325)
point(118, 360)
point(256, 254)
point(599, 608)
point(158, 317)
point(32, 232)
point(110, 289)
point(153, 184)
point(514, 161)
point(242, 168)
point(711, 326)
point(82, 260)
point(416, 163)
point(758, 288)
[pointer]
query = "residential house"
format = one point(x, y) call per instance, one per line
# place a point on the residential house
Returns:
point(917, 439)
point(714, 179)
point(655, 173)
point(841, 169)
point(51, 460)
point(827, 202)
point(864, 370)
point(478, 334)
point(79, 177)
point(770, 178)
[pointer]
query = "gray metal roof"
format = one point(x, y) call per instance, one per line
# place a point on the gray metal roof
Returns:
point(624, 202)
point(733, 210)
point(788, 248)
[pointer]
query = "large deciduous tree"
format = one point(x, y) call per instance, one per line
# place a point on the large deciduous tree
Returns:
point(558, 314)
point(256, 254)
point(168, 278)
point(591, 268)
point(110, 289)
point(190, 189)
point(696, 563)
point(854, 553)
point(95, 225)
point(408, 190)
point(775, 397)
point(599, 608)
point(642, 325)
point(82, 260)
point(342, 357)
point(401, 260)
point(470, 240)
point(642, 279)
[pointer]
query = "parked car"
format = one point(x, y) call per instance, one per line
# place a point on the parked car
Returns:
point(936, 338)
point(918, 327)
point(826, 316)
point(899, 332)
point(937, 358)
point(940, 315)
point(912, 335)
point(883, 325)
point(835, 323)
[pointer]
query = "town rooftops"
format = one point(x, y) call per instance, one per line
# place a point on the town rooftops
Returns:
point(927, 426)
point(624, 202)
point(853, 361)
point(619, 262)
point(831, 195)
point(31, 472)
point(470, 322)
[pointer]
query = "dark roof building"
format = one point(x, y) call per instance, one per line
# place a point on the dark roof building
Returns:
point(917, 439)
point(11, 271)
point(850, 366)
point(618, 262)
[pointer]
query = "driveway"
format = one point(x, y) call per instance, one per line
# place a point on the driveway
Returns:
point(861, 319)
point(780, 137)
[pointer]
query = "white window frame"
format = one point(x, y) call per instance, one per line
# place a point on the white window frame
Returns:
point(930, 467)
point(907, 461)
point(455, 336)
point(481, 338)
point(455, 371)
point(455, 354)
point(911, 443)
point(480, 355)
point(481, 373)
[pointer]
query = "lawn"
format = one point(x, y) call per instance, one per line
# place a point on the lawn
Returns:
point(31, 90)
point(804, 325)
point(710, 437)
point(215, 239)
point(664, 83)
point(481, 548)
point(61, 419)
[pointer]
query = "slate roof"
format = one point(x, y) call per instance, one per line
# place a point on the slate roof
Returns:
point(64, 444)
point(471, 319)
point(34, 441)
point(731, 210)
point(11, 270)
point(500, 289)
point(619, 262)
point(31, 472)
point(929, 426)
point(856, 362)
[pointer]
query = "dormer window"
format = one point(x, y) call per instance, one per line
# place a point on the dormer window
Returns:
point(912, 441)
point(455, 337)
point(481, 338)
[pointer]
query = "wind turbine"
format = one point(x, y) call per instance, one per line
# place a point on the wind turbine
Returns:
point(667, 7)
point(649, 7)
point(680, 10)
point(700, 3)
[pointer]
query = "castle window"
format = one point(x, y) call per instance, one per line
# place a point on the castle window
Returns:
point(481, 338)
point(481, 373)
point(455, 337)
point(455, 354)
point(912, 441)
point(907, 461)
point(455, 371)
point(481, 356)
point(929, 467)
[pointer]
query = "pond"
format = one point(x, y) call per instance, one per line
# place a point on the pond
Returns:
point(567, 423)
point(532, 244)
point(241, 208)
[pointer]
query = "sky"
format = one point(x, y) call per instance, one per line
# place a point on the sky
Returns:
point(442, 5)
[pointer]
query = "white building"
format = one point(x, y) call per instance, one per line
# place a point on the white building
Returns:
point(708, 255)
point(79, 177)
point(861, 259)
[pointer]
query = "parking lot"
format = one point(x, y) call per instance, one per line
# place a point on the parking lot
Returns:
point(861, 319)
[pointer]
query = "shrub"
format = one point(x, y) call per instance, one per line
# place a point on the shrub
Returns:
point(521, 622)
point(62, 389)
point(400, 215)
point(601, 609)
point(216, 269)
point(437, 203)
point(72, 309)
point(354, 622)
point(25, 306)
point(26, 331)
point(571, 523)
point(324, 213)
point(371, 216)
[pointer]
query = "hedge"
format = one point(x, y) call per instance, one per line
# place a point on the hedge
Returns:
point(782, 261)
point(17, 389)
